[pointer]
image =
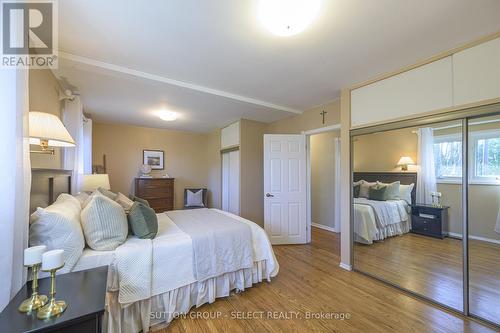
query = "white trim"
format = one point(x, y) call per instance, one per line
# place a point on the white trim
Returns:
point(335, 127)
point(154, 77)
point(484, 239)
point(324, 227)
point(345, 266)
point(336, 213)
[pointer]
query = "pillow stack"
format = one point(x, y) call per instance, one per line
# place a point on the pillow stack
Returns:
point(383, 191)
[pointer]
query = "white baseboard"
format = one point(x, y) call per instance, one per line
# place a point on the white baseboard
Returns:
point(345, 266)
point(484, 239)
point(324, 227)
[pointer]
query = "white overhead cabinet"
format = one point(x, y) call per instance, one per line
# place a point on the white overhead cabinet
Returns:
point(419, 90)
point(230, 136)
point(476, 73)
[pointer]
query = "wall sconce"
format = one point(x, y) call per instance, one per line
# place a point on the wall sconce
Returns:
point(47, 130)
point(404, 162)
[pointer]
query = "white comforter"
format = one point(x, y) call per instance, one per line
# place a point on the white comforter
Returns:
point(372, 217)
point(146, 268)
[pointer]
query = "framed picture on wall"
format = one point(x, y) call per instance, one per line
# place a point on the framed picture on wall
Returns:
point(154, 158)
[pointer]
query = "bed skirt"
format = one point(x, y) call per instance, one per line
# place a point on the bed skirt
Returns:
point(163, 308)
point(391, 230)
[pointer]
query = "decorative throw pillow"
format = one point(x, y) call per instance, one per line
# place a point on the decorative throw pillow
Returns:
point(195, 199)
point(143, 221)
point(392, 190)
point(143, 201)
point(405, 192)
point(107, 193)
point(124, 201)
point(104, 223)
point(365, 188)
point(355, 190)
point(377, 192)
point(58, 227)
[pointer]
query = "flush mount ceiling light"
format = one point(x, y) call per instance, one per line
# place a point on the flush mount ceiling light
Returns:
point(287, 17)
point(167, 115)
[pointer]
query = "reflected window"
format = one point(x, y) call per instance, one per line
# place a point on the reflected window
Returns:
point(448, 157)
point(486, 146)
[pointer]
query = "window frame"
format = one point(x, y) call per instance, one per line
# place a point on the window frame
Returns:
point(448, 138)
point(473, 138)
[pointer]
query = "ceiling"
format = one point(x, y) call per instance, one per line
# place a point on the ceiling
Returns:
point(213, 62)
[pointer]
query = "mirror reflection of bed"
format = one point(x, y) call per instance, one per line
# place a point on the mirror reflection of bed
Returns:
point(397, 237)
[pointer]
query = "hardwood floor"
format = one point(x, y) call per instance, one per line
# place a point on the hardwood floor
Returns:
point(311, 281)
point(433, 267)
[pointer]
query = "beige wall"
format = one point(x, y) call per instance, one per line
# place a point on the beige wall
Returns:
point(186, 156)
point(251, 168)
point(484, 200)
point(44, 97)
point(310, 119)
point(323, 178)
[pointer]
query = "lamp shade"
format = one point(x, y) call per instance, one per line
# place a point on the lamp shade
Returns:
point(93, 182)
point(46, 126)
point(405, 160)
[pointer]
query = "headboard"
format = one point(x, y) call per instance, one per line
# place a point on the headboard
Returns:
point(406, 178)
point(46, 185)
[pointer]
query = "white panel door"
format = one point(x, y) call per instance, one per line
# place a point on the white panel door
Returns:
point(476, 73)
point(285, 188)
point(423, 89)
point(231, 182)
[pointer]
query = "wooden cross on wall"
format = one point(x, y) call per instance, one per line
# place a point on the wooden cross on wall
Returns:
point(323, 113)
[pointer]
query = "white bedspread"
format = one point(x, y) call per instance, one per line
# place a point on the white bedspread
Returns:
point(373, 220)
point(145, 268)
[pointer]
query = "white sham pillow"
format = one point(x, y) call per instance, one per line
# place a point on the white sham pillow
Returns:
point(58, 227)
point(364, 189)
point(104, 223)
point(405, 192)
point(195, 199)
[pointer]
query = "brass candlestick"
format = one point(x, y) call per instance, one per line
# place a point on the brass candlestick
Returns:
point(53, 308)
point(35, 301)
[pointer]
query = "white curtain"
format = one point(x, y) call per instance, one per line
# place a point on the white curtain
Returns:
point(72, 116)
point(426, 178)
point(87, 145)
point(16, 180)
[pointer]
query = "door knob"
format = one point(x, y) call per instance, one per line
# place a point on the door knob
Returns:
point(269, 195)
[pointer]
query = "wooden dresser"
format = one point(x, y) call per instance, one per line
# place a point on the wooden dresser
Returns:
point(159, 192)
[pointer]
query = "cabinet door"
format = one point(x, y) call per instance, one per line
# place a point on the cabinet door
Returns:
point(420, 90)
point(230, 136)
point(476, 73)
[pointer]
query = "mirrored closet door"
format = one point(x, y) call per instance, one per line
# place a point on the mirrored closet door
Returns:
point(407, 209)
point(484, 218)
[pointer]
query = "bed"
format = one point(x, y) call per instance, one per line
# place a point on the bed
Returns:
point(173, 285)
point(377, 220)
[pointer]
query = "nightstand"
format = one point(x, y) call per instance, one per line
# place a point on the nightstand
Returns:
point(85, 294)
point(429, 220)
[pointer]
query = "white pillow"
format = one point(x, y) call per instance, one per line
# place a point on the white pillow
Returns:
point(364, 189)
point(58, 227)
point(392, 192)
point(195, 199)
point(405, 192)
point(104, 223)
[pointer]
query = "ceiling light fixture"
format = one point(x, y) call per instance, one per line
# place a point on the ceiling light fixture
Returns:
point(167, 115)
point(287, 17)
